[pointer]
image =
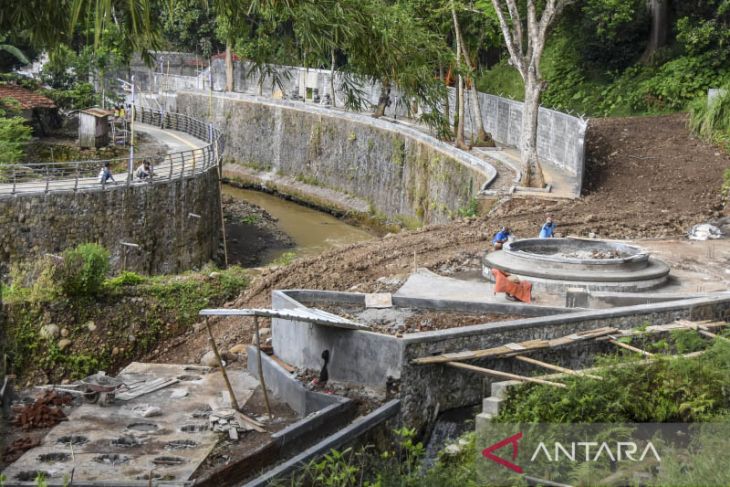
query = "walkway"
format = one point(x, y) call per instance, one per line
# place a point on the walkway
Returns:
point(185, 155)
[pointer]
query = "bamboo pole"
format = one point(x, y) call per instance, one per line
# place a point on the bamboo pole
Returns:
point(557, 368)
point(261, 369)
point(503, 375)
point(234, 402)
point(629, 347)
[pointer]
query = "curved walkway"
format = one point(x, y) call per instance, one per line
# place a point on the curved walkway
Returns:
point(186, 155)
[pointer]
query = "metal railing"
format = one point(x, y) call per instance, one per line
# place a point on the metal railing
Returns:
point(47, 177)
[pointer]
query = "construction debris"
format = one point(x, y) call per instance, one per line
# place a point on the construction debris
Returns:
point(14, 450)
point(44, 412)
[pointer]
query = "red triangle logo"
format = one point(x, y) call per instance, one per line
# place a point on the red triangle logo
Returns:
point(513, 440)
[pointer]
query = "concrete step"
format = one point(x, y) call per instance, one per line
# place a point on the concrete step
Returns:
point(490, 405)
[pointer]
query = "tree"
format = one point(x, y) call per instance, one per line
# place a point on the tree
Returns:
point(481, 137)
point(525, 49)
point(660, 27)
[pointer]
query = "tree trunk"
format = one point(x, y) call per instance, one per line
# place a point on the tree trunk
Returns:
point(659, 35)
point(481, 138)
point(332, 80)
point(531, 170)
point(229, 67)
point(383, 100)
point(459, 137)
point(446, 98)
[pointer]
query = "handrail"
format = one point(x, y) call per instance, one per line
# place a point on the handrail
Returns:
point(73, 176)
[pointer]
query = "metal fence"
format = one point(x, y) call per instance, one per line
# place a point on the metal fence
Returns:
point(46, 177)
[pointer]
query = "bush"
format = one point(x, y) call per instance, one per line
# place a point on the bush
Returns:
point(83, 270)
point(126, 278)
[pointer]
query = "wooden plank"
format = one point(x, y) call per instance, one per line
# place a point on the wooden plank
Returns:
point(629, 347)
point(503, 375)
point(284, 365)
point(557, 368)
point(712, 335)
point(509, 349)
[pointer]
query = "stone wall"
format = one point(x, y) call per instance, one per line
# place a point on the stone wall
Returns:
point(403, 172)
point(154, 216)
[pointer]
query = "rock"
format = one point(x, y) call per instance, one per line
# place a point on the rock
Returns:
point(179, 393)
point(64, 332)
point(151, 412)
point(209, 360)
point(64, 343)
point(132, 338)
point(240, 348)
point(115, 351)
point(91, 326)
point(49, 332)
point(214, 275)
point(264, 332)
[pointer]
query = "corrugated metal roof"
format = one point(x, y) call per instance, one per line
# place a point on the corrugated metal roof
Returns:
point(309, 315)
point(26, 98)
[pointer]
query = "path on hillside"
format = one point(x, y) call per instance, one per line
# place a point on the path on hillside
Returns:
point(646, 177)
point(174, 140)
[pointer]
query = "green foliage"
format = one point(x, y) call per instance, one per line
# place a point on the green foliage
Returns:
point(78, 96)
point(711, 121)
point(126, 278)
point(284, 259)
point(471, 209)
point(502, 79)
point(400, 466)
point(14, 132)
point(667, 390)
point(83, 270)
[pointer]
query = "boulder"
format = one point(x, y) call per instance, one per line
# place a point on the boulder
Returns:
point(209, 360)
point(64, 343)
point(49, 332)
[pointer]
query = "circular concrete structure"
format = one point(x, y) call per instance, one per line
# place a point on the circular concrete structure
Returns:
point(559, 263)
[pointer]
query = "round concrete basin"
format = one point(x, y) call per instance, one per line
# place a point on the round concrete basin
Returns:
point(569, 262)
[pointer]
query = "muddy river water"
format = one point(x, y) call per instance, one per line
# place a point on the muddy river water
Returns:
point(313, 231)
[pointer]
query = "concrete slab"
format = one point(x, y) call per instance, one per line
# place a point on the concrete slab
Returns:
point(117, 445)
point(428, 285)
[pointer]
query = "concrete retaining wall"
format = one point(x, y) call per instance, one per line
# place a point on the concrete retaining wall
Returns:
point(426, 389)
point(154, 216)
point(403, 172)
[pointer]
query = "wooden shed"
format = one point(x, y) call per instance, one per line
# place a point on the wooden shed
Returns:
point(94, 127)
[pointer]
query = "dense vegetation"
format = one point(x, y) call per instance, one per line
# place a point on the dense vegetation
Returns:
point(67, 318)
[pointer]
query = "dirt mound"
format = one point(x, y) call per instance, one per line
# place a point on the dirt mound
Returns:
point(645, 177)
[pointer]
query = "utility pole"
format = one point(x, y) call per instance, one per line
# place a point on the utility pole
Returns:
point(129, 86)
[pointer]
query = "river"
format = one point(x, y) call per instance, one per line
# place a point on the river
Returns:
point(313, 231)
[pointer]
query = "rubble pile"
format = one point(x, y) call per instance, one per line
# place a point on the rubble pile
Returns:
point(46, 411)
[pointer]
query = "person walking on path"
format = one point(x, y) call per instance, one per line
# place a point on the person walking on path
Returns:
point(548, 228)
point(106, 174)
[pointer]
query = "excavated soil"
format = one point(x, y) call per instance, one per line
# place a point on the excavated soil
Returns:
point(646, 177)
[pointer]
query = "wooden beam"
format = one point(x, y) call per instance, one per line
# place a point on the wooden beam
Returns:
point(629, 347)
point(510, 349)
point(503, 375)
point(557, 368)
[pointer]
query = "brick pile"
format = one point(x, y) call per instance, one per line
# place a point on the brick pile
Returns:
point(44, 412)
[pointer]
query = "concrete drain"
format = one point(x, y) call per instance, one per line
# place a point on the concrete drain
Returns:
point(181, 444)
point(72, 440)
point(194, 428)
point(31, 475)
point(156, 476)
point(126, 442)
point(144, 427)
point(54, 457)
point(168, 461)
point(111, 459)
point(189, 378)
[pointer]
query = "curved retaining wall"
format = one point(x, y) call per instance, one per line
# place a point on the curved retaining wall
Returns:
point(154, 216)
point(403, 172)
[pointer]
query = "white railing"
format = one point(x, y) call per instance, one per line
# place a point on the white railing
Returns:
point(47, 177)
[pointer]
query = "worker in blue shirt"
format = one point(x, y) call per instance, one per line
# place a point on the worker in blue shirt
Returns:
point(500, 238)
point(548, 228)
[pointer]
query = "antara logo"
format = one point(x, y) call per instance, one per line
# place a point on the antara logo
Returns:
point(582, 451)
point(513, 440)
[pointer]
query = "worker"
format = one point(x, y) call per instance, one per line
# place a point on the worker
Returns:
point(548, 228)
point(501, 238)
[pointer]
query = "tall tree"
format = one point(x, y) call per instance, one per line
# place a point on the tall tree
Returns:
point(525, 49)
point(460, 99)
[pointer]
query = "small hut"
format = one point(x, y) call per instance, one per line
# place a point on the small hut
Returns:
point(94, 127)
